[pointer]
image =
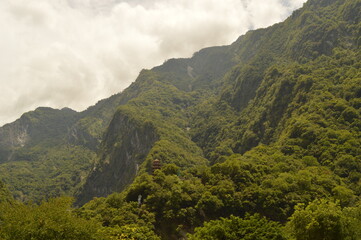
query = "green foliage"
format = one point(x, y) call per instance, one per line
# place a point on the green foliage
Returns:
point(234, 228)
point(54, 172)
point(127, 232)
point(50, 220)
point(5, 195)
point(323, 219)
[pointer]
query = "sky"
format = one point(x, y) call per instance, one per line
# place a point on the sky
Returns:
point(72, 53)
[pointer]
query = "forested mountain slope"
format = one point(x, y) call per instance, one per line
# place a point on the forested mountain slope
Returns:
point(280, 128)
point(215, 87)
point(266, 127)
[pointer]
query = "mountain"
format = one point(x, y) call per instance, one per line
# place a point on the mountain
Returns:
point(219, 84)
point(154, 124)
point(268, 126)
point(276, 126)
point(48, 152)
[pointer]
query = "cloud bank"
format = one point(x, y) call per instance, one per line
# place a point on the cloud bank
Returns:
point(72, 53)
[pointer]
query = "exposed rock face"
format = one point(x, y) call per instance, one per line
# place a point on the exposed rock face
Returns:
point(125, 146)
point(41, 125)
point(13, 136)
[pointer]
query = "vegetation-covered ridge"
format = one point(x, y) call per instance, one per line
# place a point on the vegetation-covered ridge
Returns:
point(257, 140)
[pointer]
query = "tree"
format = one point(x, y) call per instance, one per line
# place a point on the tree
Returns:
point(320, 220)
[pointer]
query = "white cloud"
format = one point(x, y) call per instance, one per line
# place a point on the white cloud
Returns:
point(74, 52)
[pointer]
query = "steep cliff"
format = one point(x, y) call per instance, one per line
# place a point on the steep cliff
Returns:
point(125, 145)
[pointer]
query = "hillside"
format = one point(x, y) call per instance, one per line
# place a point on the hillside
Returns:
point(219, 83)
point(267, 129)
point(279, 128)
point(48, 152)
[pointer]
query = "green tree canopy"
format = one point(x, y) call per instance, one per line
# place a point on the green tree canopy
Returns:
point(234, 228)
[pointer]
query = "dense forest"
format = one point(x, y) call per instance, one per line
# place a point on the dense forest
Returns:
point(260, 139)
